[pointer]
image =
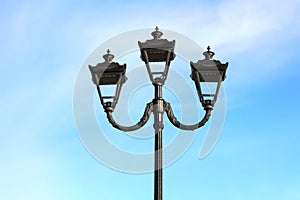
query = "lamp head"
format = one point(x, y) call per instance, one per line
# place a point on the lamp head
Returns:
point(211, 71)
point(110, 74)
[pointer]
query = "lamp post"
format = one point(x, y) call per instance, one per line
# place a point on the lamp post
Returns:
point(158, 50)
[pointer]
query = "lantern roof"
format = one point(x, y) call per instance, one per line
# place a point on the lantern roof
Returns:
point(210, 69)
point(157, 49)
point(107, 72)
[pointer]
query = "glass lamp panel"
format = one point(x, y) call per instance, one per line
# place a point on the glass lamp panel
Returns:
point(209, 90)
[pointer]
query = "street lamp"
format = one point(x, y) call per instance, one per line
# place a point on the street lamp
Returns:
point(160, 50)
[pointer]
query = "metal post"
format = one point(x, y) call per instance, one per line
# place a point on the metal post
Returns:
point(158, 167)
point(158, 126)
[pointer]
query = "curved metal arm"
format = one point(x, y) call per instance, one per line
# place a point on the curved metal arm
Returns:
point(141, 123)
point(179, 125)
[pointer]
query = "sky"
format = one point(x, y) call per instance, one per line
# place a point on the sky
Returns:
point(45, 46)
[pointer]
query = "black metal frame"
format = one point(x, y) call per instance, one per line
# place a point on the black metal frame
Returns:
point(158, 50)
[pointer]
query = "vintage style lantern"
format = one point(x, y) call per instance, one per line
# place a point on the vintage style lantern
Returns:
point(110, 74)
point(208, 71)
point(157, 50)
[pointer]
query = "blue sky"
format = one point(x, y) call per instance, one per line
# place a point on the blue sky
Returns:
point(43, 46)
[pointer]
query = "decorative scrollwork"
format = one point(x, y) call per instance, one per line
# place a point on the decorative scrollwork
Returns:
point(141, 123)
point(181, 126)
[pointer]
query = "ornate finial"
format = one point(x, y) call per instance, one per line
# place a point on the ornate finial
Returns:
point(208, 54)
point(156, 34)
point(108, 57)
